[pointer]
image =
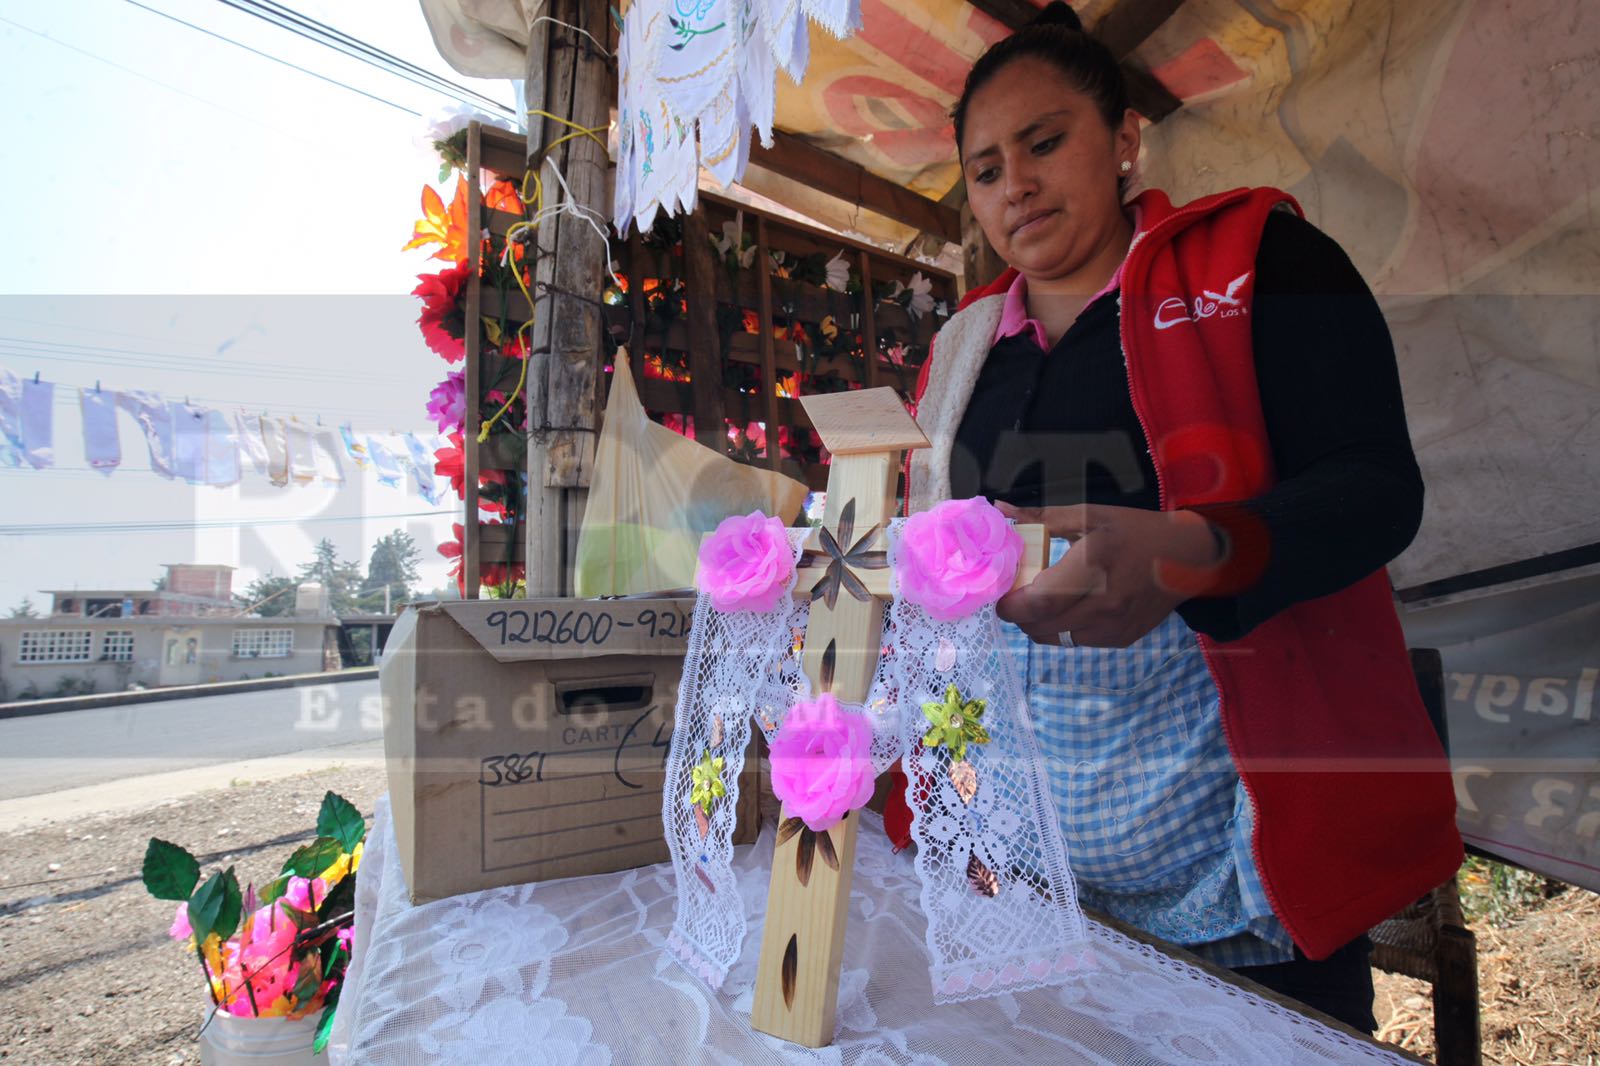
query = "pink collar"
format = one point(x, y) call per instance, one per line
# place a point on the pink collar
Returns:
point(1014, 316)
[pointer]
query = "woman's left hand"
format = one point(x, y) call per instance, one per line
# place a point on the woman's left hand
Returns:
point(1126, 571)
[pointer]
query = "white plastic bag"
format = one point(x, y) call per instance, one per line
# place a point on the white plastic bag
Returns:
point(655, 493)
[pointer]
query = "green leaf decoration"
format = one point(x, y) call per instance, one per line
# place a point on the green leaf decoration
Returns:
point(314, 858)
point(215, 907)
point(301, 919)
point(170, 872)
point(340, 820)
point(324, 1029)
point(273, 889)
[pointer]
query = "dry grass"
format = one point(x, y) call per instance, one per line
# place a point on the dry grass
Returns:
point(1538, 973)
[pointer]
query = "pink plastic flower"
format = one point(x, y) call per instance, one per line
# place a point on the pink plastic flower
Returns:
point(180, 924)
point(745, 565)
point(822, 762)
point(447, 403)
point(957, 557)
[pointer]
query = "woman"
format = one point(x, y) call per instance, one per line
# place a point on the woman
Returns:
point(1204, 401)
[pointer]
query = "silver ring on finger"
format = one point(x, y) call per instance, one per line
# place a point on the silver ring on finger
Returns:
point(1065, 639)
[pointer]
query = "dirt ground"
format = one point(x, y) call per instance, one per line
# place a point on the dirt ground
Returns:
point(88, 974)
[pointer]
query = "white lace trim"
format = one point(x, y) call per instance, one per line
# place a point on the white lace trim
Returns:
point(1029, 933)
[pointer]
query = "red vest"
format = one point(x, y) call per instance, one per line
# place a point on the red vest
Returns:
point(1355, 811)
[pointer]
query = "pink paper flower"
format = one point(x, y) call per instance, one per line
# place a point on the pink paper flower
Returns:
point(745, 565)
point(822, 762)
point(957, 557)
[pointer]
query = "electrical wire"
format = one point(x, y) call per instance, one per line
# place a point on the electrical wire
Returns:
point(276, 59)
point(325, 34)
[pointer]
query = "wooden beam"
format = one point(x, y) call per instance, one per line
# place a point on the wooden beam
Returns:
point(796, 159)
point(1124, 28)
point(705, 353)
point(1130, 23)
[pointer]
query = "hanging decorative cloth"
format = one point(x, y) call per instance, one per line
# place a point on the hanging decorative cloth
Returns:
point(946, 699)
point(708, 66)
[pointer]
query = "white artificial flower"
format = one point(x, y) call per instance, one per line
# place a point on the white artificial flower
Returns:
point(838, 273)
point(732, 241)
point(921, 295)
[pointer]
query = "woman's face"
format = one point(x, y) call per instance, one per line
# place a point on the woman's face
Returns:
point(1042, 169)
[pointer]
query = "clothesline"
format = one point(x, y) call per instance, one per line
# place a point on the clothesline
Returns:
point(205, 446)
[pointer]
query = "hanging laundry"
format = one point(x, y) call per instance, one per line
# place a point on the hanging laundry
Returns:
point(222, 451)
point(101, 447)
point(389, 470)
point(10, 419)
point(189, 442)
point(248, 428)
point(354, 448)
point(154, 417)
point(275, 439)
point(325, 453)
point(422, 469)
point(38, 401)
point(302, 463)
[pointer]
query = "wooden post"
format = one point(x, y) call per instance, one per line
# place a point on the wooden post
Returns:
point(979, 263)
point(472, 383)
point(845, 573)
point(769, 361)
point(705, 354)
point(869, 330)
point(565, 77)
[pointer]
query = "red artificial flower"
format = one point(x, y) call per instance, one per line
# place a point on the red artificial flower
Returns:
point(443, 322)
point(448, 462)
point(488, 573)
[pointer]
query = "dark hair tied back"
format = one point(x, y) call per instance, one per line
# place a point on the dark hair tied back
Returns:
point(1056, 35)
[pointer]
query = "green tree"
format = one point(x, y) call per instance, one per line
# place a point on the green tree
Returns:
point(269, 596)
point(339, 578)
point(24, 609)
point(393, 563)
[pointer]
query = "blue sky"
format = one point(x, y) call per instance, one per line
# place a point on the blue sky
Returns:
point(190, 218)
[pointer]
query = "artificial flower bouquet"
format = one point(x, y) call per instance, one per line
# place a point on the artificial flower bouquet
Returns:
point(277, 952)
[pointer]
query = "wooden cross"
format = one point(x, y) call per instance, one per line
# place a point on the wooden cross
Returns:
point(845, 573)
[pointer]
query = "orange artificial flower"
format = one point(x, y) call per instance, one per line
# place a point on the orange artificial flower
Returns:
point(502, 196)
point(441, 226)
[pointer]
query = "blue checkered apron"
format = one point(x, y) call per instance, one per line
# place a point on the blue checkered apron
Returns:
point(1156, 820)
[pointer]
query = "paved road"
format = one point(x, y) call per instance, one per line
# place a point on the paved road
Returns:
point(72, 749)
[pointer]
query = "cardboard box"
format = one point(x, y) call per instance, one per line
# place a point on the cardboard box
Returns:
point(527, 739)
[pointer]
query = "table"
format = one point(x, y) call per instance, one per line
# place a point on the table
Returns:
point(574, 971)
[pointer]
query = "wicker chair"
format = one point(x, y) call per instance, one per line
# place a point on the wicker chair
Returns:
point(1429, 940)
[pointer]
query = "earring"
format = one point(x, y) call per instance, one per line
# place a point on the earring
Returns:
point(1126, 166)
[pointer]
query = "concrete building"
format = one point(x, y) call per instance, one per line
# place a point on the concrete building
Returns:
point(186, 632)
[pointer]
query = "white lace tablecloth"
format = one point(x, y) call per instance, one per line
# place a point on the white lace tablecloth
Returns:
point(575, 972)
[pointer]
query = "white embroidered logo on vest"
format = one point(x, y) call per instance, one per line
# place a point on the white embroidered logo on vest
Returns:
point(1208, 304)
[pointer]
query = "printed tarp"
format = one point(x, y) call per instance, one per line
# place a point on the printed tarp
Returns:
point(1452, 148)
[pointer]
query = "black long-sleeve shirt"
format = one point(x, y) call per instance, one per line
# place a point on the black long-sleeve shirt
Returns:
point(1058, 427)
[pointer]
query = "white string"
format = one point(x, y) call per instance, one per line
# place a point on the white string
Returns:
point(570, 26)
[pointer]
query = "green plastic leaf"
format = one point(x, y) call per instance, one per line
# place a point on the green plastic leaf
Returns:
point(215, 907)
point(274, 889)
point(170, 872)
point(301, 919)
point(324, 1029)
point(340, 820)
point(315, 857)
point(309, 978)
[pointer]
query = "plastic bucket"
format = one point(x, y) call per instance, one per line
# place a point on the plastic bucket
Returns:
point(230, 1041)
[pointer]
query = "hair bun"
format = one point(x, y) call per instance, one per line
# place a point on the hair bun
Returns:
point(1057, 13)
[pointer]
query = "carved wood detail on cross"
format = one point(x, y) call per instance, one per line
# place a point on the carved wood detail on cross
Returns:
point(845, 573)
